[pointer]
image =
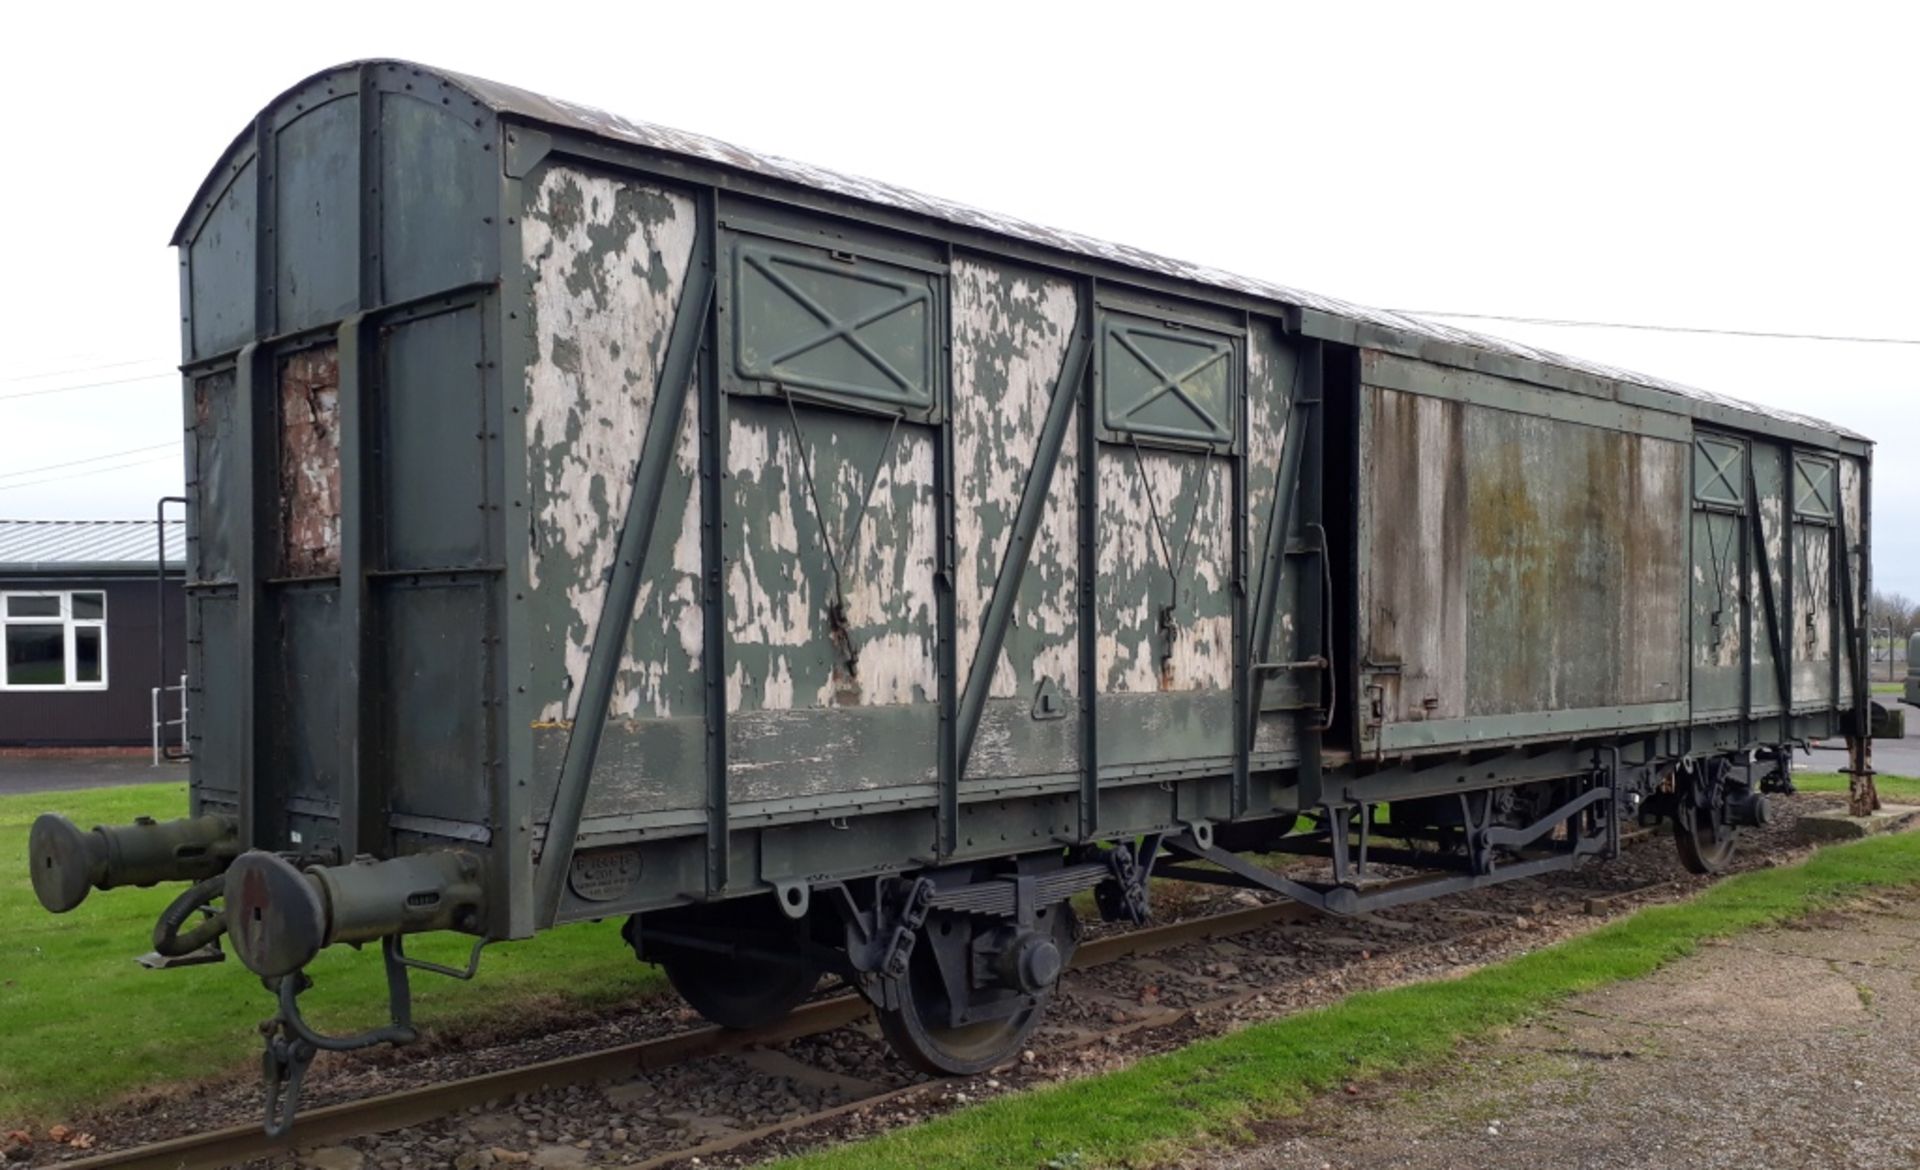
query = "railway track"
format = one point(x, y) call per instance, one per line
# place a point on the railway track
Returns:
point(339, 1122)
point(346, 1119)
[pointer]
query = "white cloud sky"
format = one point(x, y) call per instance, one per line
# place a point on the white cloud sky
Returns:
point(1742, 165)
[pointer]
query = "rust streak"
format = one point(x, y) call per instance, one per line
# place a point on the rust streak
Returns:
point(310, 462)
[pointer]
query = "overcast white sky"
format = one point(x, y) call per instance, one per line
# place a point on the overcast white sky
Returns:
point(1743, 166)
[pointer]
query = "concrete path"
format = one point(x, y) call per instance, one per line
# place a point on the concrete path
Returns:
point(1776, 1050)
point(1895, 757)
point(63, 773)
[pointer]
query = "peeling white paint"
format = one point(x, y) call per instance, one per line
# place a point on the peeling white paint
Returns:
point(600, 324)
point(1133, 570)
point(996, 433)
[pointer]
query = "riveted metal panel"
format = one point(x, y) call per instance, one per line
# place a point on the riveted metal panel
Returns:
point(302, 746)
point(434, 201)
point(438, 723)
point(435, 508)
point(212, 476)
point(219, 766)
point(316, 200)
point(220, 266)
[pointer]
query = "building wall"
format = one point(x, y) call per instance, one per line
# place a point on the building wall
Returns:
point(120, 714)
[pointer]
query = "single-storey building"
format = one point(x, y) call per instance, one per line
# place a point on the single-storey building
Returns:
point(82, 611)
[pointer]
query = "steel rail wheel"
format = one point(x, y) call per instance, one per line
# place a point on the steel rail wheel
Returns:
point(920, 1029)
point(738, 993)
point(1703, 821)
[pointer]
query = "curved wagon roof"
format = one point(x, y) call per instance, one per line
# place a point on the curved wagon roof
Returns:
point(1322, 315)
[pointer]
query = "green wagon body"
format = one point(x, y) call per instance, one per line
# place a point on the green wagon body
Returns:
point(658, 522)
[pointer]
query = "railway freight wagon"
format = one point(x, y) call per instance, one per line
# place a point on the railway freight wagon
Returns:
point(593, 519)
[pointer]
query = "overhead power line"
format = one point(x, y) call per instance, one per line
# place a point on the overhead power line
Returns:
point(7, 487)
point(92, 459)
point(1650, 328)
point(81, 370)
point(87, 386)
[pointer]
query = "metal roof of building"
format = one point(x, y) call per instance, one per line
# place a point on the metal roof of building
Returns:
point(513, 101)
point(55, 545)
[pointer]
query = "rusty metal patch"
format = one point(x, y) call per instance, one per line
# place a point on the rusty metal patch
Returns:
point(310, 462)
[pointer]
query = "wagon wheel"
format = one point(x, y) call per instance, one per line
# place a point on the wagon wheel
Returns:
point(737, 992)
point(919, 1029)
point(1703, 828)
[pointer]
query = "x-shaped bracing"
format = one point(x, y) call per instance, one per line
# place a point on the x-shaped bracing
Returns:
point(1170, 383)
point(836, 328)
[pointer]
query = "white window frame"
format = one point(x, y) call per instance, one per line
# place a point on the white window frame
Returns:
point(68, 624)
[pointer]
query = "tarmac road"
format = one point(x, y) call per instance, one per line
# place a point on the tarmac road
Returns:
point(64, 773)
point(1895, 757)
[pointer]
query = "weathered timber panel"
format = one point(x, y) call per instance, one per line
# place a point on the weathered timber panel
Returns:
point(1813, 608)
point(310, 462)
point(1165, 548)
point(1577, 588)
point(805, 643)
point(1010, 333)
point(1414, 500)
point(1164, 559)
point(1719, 539)
point(1515, 564)
point(1768, 559)
point(605, 259)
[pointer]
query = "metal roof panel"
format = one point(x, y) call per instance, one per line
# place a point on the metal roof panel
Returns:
point(513, 101)
point(44, 545)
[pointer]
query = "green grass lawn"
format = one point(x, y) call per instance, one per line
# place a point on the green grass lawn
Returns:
point(1209, 1092)
point(1889, 688)
point(81, 1023)
point(1898, 789)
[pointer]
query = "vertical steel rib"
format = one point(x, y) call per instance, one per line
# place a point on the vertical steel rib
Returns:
point(1286, 490)
point(713, 598)
point(629, 568)
point(1088, 532)
point(1026, 526)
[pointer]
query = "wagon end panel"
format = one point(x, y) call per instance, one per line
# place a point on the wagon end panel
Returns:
point(1523, 564)
point(343, 468)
